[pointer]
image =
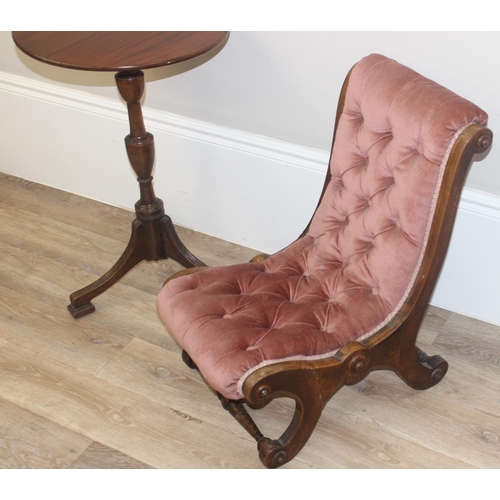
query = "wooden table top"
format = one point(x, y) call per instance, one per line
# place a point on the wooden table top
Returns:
point(116, 50)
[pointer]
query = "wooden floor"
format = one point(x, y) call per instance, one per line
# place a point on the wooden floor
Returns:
point(110, 390)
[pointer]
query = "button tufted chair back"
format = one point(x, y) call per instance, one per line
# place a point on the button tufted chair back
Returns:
point(350, 274)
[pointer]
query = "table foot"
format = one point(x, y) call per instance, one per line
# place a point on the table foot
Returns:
point(82, 310)
point(174, 248)
point(134, 253)
point(138, 249)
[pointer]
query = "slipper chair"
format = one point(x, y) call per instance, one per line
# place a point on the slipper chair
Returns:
point(349, 295)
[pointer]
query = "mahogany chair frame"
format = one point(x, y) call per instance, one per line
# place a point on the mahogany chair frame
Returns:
point(311, 384)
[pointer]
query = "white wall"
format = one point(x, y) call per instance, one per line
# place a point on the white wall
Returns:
point(284, 85)
point(243, 139)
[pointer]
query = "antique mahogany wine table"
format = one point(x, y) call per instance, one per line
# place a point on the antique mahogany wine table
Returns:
point(127, 53)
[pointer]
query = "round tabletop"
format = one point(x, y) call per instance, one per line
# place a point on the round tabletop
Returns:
point(116, 50)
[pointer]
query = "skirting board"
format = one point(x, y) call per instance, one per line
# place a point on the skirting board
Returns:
point(256, 191)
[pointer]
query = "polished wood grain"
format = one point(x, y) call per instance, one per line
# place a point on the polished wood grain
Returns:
point(111, 390)
point(124, 50)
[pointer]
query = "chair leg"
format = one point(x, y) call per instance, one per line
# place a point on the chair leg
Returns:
point(309, 405)
point(421, 371)
point(240, 414)
point(187, 359)
point(274, 453)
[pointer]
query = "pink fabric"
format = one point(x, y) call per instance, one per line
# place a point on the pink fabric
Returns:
point(349, 274)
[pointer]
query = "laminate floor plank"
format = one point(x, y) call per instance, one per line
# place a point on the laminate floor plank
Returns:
point(62, 206)
point(473, 340)
point(149, 432)
point(48, 281)
point(107, 220)
point(45, 331)
point(472, 385)
point(95, 254)
point(435, 418)
point(161, 376)
point(110, 390)
point(28, 441)
point(434, 321)
point(54, 239)
point(44, 284)
point(343, 439)
point(76, 248)
point(99, 456)
point(342, 442)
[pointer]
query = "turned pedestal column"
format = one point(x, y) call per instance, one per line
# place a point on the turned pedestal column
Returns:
point(153, 234)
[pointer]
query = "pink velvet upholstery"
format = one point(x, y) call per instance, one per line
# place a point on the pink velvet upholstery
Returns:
point(352, 271)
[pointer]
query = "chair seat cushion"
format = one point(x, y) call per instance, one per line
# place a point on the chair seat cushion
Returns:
point(233, 319)
point(355, 267)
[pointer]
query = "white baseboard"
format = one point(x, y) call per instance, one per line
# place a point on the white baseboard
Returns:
point(470, 279)
point(253, 190)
